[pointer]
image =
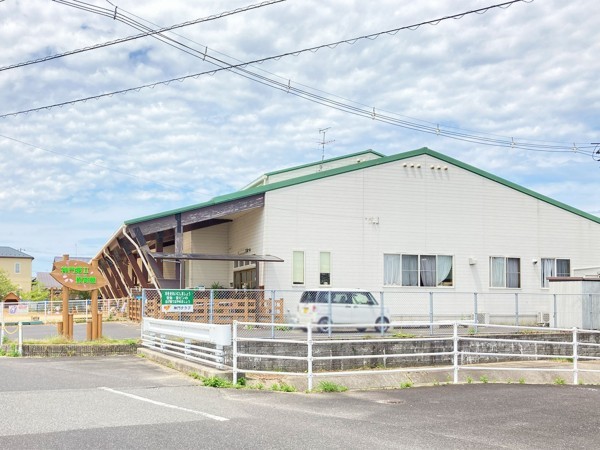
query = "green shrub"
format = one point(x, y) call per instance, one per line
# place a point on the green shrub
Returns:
point(328, 386)
point(283, 387)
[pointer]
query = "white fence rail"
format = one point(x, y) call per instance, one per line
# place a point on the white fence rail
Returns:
point(182, 339)
point(572, 350)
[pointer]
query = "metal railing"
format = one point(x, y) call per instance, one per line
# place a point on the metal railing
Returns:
point(50, 311)
point(457, 351)
point(182, 339)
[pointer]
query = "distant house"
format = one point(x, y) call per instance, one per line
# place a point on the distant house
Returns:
point(17, 266)
point(418, 222)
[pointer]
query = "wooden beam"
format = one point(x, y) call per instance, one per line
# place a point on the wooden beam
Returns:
point(146, 253)
point(114, 284)
point(128, 249)
point(117, 257)
point(199, 215)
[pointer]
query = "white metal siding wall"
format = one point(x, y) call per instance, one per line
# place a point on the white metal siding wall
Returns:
point(420, 211)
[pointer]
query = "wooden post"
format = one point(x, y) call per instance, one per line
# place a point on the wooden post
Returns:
point(99, 326)
point(65, 307)
point(95, 333)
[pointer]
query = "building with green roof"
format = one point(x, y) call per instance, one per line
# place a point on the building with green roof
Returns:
point(413, 223)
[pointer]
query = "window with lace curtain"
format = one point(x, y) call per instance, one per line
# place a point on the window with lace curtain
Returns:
point(417, 270)
point(554, 267)
point(505, 272)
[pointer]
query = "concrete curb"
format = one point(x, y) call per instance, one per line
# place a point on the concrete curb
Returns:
point(183, 365)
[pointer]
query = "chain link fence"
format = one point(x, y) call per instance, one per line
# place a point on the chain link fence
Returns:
point(369, 312)
point(50, 311)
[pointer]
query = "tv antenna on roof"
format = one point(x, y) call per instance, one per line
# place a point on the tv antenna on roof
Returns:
point(323, 142)
point(596, 151)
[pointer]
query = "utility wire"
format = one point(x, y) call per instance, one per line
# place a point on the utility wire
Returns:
point(359, 111)
point(102, 11)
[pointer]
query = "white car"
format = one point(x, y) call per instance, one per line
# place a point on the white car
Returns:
point(354, 307)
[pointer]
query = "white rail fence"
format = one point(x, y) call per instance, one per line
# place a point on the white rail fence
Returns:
point(573, 349)
point(182, 339)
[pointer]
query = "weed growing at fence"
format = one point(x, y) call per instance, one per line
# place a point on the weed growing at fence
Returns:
point(283, 387)
point(406, 384)
point(216, 382)
point(560, 381)
point(562, 360)
point(484, 379)
point(13, 352)
point(469, 380)
point(258, 386)
point(580, 382)
point(436, 383)
point(521, 380)
point(329, 386)
point(282, 328)
point(403, 335)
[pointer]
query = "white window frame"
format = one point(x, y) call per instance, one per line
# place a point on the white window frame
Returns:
point(298, 282)
point(321, 268)
point(505, 273)
point(553, 271)
point(399, 268)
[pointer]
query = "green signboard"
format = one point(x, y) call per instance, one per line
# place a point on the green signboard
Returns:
point(177, 300)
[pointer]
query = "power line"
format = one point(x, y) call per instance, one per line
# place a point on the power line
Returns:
point(363, 111)
point(103, 12)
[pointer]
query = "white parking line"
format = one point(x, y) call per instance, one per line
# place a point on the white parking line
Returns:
point(166, 405)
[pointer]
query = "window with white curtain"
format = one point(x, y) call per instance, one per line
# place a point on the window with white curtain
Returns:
point(298, 267)
point(554, 267)
point(325, 268)
point(417, 270)
point(17, 267)
point(505, 272)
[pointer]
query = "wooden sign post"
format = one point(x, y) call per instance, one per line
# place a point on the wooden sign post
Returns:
point(79, 276)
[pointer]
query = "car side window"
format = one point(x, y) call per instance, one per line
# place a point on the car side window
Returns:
point(341, 298)
point(361, 298)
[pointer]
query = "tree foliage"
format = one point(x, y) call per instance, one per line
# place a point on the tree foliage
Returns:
point(38, 292)
point(6, 285)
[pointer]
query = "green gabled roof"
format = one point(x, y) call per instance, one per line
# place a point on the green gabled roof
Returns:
point(359, 166)
point(325, 161)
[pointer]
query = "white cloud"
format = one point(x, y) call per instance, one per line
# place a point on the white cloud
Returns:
point(528, 72)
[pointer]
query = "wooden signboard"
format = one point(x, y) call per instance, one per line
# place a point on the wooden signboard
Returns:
point(78, 275)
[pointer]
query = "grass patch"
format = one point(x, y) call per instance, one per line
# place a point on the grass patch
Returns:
point(403, 335)
point(61, 340)
point(521, 380)
point(469, 380)
point(283, 387)
point(560, 381)
point(329, 386)
point(484, 379)
point(406, 384)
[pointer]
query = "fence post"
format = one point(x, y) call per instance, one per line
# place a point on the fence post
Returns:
point(1, 323)
point(431, 313)
point(309, 356)
point(234, 351)
point(144, 298)
point(330, 313)
point(516, 309)
point(575, 356)
point(382, 316)
point(272, 314)
point(554, 313)
point(475, 311)
point(455, 356)
point(20, 338)
point(211, 306)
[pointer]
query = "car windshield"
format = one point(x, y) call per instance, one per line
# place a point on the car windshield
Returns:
point(339, 297)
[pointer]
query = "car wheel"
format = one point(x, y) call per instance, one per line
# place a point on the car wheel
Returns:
point(323, 321)
point(361, 330)
point(379, 328)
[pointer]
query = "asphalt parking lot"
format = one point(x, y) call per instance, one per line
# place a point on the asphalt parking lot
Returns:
point(129, 402)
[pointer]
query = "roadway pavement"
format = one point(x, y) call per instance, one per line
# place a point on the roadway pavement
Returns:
point(130, 402)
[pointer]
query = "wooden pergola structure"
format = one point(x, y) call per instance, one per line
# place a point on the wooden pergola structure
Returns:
point(134, 256)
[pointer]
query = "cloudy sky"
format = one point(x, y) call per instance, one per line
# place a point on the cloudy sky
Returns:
point(71, 175)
